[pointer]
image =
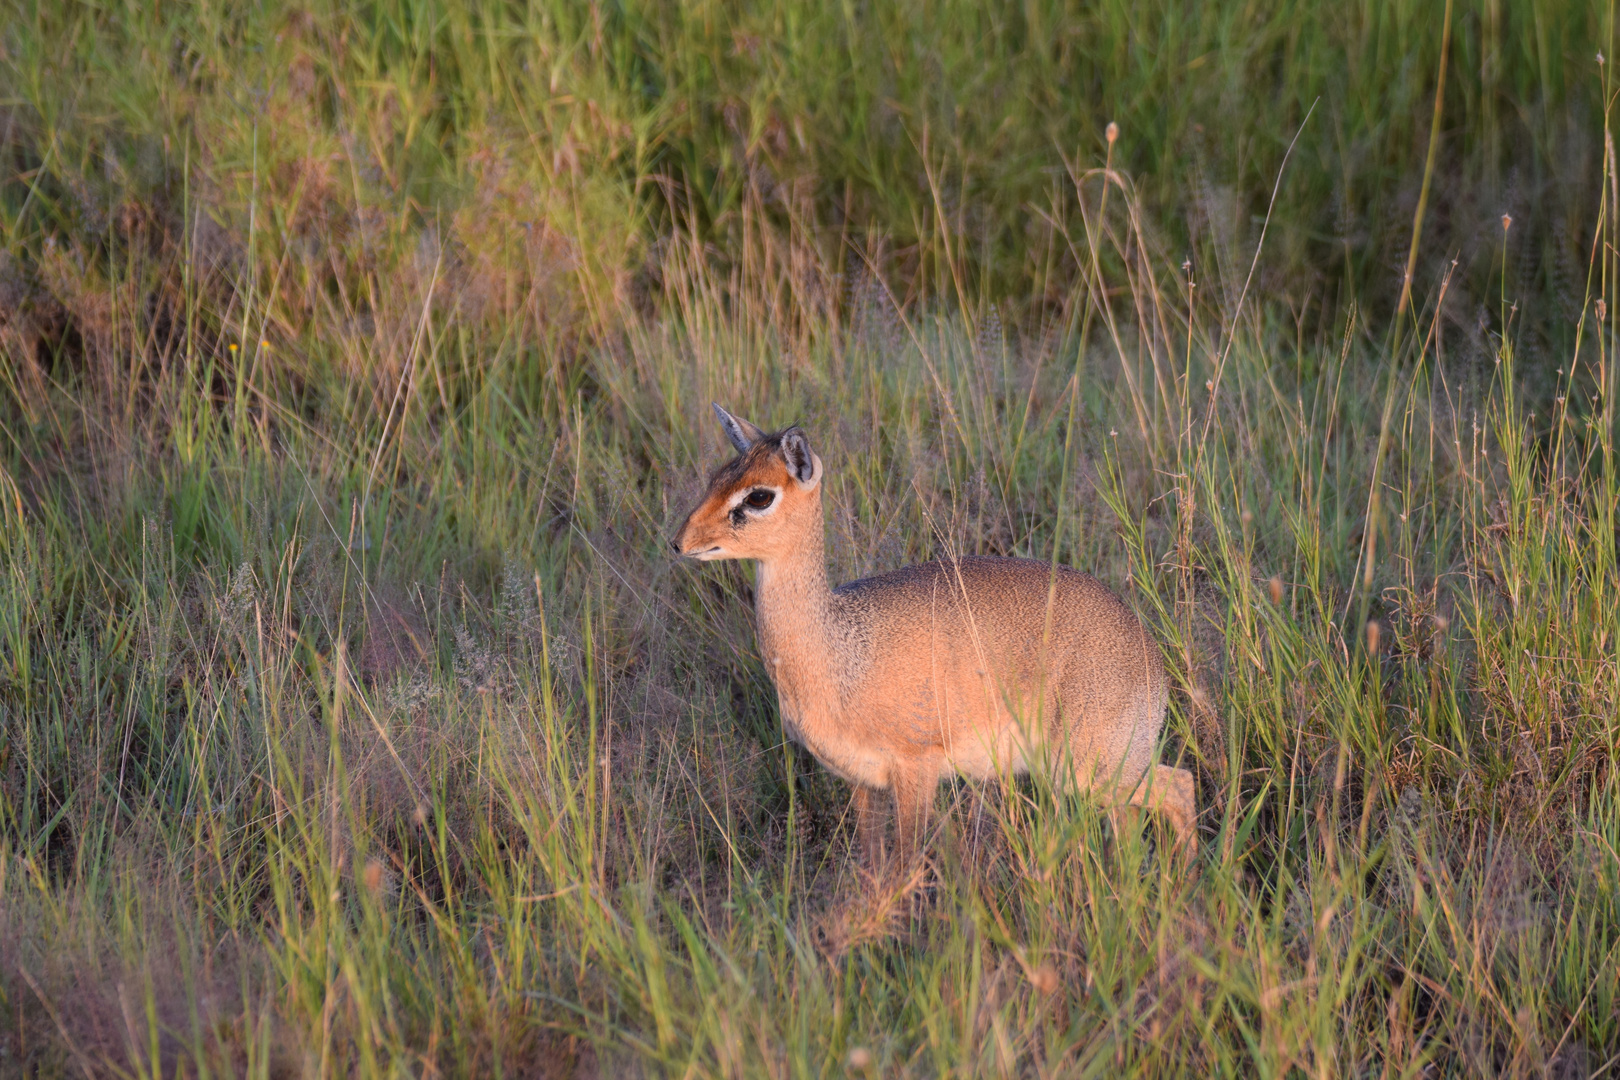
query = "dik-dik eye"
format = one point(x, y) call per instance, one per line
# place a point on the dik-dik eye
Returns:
point(759, 499)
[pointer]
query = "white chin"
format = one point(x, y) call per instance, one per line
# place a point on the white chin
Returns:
point(711, 555)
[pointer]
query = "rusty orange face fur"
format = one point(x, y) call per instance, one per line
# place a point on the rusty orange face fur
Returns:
point(773, 477)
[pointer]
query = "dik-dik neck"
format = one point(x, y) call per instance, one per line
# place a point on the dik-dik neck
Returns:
point(790, 590)
point(796, 614)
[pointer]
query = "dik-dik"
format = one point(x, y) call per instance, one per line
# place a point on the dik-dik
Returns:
point(985, 666)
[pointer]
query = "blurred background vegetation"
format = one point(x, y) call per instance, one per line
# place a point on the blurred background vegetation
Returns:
point(555, 148)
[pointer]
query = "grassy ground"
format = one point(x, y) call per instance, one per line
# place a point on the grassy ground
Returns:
point(356, 368)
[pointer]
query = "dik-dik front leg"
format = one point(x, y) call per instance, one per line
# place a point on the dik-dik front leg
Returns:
point(913, 788)
point(868, 810)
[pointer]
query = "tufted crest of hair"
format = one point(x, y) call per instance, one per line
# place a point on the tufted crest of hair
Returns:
point(787, 449)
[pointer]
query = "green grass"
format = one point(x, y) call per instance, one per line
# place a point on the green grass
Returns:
point(356, 368)
point(936, 137)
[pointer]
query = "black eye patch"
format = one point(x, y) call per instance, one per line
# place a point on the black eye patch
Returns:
point(758, 499)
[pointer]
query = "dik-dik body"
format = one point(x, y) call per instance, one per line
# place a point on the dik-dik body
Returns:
point(984, 666)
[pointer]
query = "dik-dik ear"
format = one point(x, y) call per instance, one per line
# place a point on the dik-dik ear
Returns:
point(802, 464)
point(742, 434)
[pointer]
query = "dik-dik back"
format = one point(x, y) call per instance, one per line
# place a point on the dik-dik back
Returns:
point(983, 666)
point(963, 653)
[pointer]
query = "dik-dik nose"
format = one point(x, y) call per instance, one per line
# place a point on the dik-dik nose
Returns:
point(675, 545)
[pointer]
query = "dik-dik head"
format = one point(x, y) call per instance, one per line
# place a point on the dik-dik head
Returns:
point(762, 504)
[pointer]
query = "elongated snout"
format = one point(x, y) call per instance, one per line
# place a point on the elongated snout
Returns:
point(694, 541)
point(682, 542)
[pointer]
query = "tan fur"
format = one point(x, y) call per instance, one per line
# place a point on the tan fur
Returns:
point(982, 666)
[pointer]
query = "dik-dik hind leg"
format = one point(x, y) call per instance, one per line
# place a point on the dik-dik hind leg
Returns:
point(1170, 791)
point(868, 811)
